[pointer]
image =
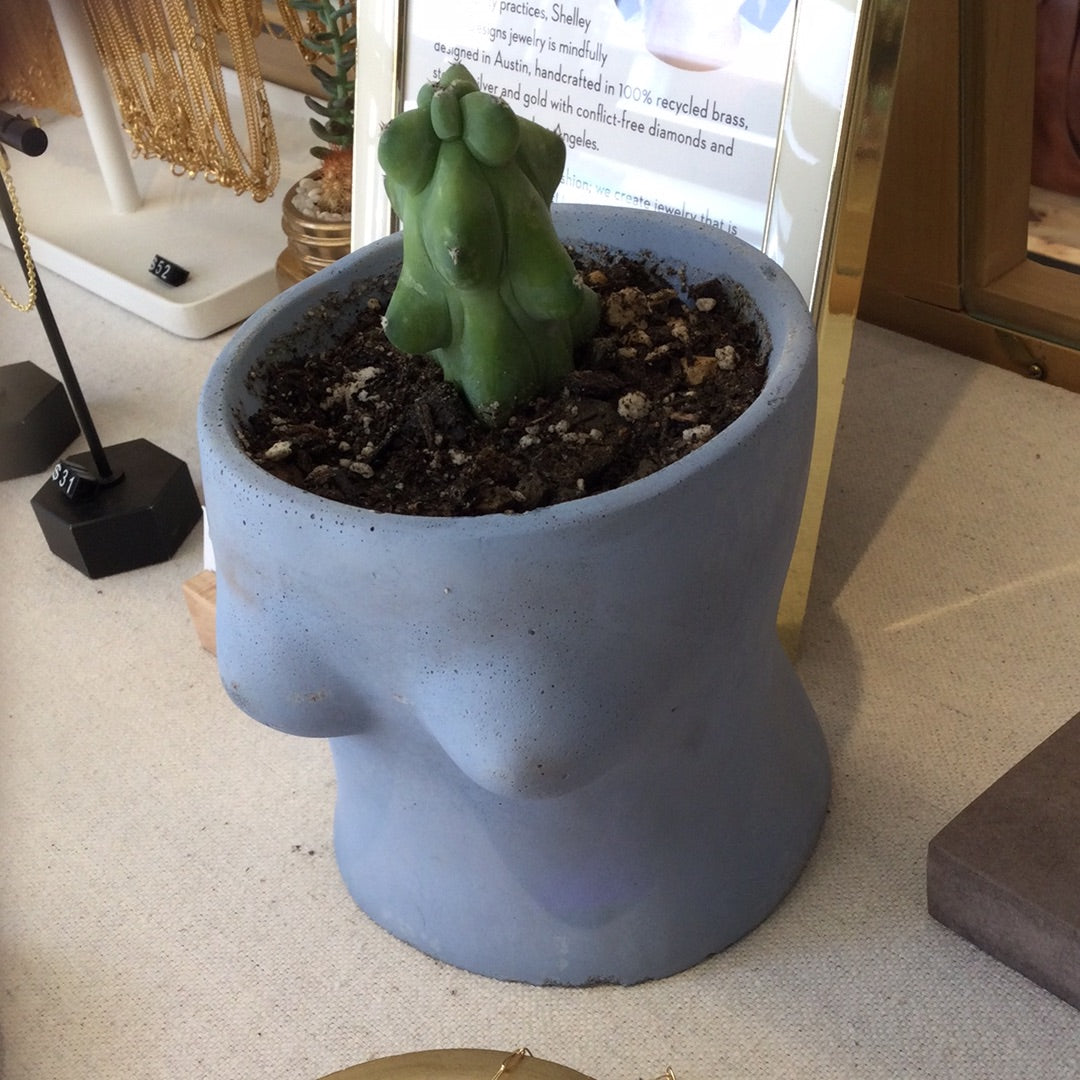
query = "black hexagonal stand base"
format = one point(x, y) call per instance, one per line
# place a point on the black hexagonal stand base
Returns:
point(36, 420)
point(139, 520)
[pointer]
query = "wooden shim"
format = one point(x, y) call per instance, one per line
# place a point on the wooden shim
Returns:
point(200, 592)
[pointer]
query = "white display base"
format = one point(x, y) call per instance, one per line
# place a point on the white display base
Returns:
point(228, 242)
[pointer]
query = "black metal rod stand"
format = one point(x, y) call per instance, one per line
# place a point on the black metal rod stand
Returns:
point(63, 361)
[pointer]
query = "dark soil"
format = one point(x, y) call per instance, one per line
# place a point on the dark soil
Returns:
point(364, 424)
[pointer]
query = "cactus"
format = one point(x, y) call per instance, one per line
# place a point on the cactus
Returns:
point(486, 287)
point(330, 42)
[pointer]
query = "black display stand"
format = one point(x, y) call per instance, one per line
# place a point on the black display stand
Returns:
point(36, 421)
point(136, 522)
point(102, 511)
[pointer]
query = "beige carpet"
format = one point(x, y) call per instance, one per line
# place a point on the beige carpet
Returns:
point(169, 901)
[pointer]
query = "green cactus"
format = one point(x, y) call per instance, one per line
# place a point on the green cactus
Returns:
point(486, 287)
point(331, 43)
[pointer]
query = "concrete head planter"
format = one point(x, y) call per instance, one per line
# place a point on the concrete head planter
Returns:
point(569, 747)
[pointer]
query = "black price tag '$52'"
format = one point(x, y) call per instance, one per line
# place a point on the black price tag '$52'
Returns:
point(168, 271)
point(77, 482)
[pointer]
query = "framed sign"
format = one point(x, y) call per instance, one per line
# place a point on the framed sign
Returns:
point(731, 112)
point(670, 105)
point(766, 118)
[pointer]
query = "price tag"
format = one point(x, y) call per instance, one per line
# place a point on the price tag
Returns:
point(168, 271)
point(77, 482)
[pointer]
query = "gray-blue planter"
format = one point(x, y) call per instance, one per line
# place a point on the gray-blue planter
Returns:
point(569, 747)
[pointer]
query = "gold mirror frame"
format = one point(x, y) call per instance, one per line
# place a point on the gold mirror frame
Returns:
point(841, 264)
point(1000, 284)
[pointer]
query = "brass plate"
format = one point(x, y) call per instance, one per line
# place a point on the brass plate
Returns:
point(458, 1065)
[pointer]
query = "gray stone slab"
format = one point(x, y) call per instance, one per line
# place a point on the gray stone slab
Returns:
point(1005, 872)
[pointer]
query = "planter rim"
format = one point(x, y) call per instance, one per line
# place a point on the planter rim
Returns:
point(792, 333)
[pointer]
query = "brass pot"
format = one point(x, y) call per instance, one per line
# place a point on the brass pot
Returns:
point(311, 243)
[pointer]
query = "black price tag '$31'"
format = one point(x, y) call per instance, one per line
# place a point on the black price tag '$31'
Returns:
point(77, 482)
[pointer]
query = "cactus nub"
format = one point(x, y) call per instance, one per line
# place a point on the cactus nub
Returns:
point(336, 182)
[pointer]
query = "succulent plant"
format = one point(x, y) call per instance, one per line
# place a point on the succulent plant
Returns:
point(330, 40)
point(486, 288)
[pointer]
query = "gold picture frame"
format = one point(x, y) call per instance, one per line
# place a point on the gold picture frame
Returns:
point(834, 122)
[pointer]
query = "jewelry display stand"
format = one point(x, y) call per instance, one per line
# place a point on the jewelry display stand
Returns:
point(36, 421)
point(99, 219)
point(36, 418)
point(101, 516)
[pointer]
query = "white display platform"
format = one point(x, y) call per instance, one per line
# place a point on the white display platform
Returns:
point(228, 242)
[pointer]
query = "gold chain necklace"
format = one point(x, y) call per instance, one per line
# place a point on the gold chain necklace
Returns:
point(24, 242)
point(165, 71)
point(33, 68)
